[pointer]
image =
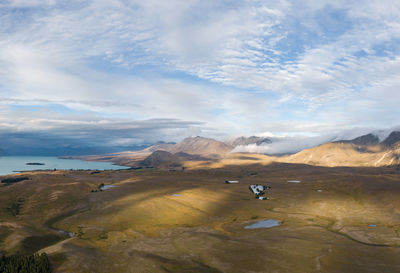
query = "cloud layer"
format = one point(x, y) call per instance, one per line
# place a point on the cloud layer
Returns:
point(209, 67)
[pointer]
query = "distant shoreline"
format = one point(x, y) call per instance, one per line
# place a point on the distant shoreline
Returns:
point(19, 164)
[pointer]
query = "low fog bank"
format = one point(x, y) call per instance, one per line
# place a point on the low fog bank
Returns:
point(291, 145)
point(287, 145)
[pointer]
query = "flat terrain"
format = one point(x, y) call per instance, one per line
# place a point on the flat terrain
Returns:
point(335, 220)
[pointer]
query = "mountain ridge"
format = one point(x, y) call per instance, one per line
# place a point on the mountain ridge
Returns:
point(249, 140)
point(364, 150)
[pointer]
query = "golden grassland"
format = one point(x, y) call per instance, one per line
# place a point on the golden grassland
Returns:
point(328, 155)
point(191, 221)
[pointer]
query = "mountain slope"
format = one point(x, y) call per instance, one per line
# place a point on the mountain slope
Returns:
point(393, 138)
point(161, 159)
point(249, 140)
point(159, 146)
point(365, 150)
point(201, 146)
point(369, 139)
point(345, 154)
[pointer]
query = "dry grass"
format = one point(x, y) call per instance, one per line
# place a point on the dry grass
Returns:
point(140, 226)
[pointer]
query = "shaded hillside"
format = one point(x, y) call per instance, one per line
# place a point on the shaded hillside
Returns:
point(369, 139)
point(161, 159)
point(191, 157)
point(393, 138)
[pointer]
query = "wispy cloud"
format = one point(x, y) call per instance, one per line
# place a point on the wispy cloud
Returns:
point(232, 66)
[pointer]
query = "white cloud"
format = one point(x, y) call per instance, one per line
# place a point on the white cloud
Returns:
point(235, 66)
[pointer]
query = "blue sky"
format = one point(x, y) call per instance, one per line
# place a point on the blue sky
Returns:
point(142, 71)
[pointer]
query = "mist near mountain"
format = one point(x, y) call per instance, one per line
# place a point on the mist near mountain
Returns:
point(295, 144)
point(242, 141)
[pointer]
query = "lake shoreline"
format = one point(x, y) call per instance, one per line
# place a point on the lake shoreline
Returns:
point(18, 164)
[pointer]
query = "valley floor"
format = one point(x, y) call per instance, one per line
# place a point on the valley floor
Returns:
point(334, 220)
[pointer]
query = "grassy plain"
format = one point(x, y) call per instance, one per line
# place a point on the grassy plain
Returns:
point(191, 221)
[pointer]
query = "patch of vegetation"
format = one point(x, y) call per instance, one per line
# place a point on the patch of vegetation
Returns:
point(103, 236)
point(80, 232)
point(136, 168)
point(4, 232)
point(11, 180)
point(15, 207)
point(198, 267)
point(25, 264)
point(254, 217)
point(34, 243)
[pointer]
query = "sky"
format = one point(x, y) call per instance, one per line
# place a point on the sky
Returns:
point(125, 73)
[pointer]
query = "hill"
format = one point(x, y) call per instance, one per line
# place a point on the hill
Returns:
point(192, 148)
point(346, 154)
point(365, 150)
point(392, 139)
point(201, 146)
point(161, 159)
point(369, 139)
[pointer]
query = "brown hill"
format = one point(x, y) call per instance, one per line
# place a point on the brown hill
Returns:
point(189, 149)
point(161, 159)
point(328, 155)
point(346, 154)
point(201, 146)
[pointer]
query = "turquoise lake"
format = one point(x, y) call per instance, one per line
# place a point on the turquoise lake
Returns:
point(12, 164)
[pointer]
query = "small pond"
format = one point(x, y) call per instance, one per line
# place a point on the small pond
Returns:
point(69, 234)
point(263, 224)
point(106, 187)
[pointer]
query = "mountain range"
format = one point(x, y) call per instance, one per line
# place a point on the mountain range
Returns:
point(365, 150)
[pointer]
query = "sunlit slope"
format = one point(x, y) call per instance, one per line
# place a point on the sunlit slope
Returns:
point(189, 147)
point(329, 155)
point(201, 146)
point(346, 154)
